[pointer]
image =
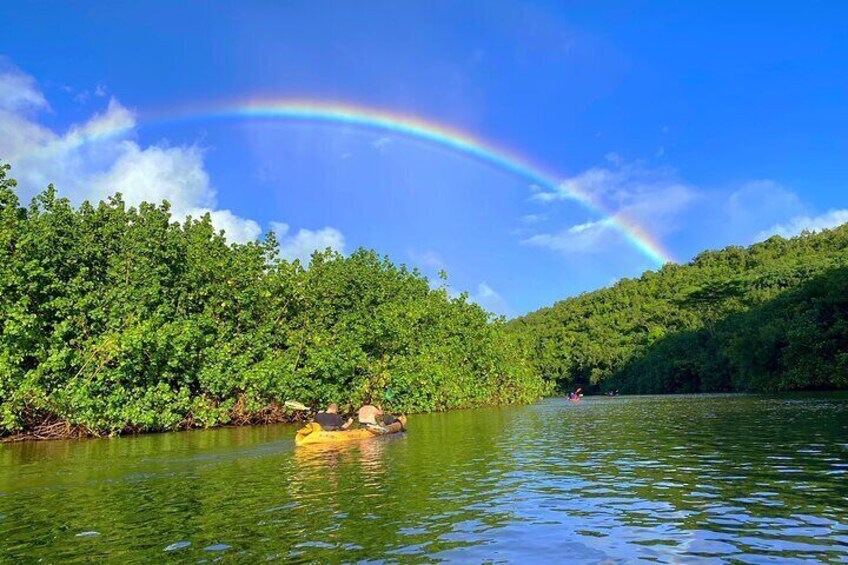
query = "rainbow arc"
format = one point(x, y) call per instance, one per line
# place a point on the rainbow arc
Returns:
point(413, 127)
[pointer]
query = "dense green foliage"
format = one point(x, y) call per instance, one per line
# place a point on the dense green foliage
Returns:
point(771, 317)
point(117, 318)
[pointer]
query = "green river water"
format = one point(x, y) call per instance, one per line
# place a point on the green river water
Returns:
point(685, 479)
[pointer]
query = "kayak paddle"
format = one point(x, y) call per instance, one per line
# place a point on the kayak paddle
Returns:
point(294, 405)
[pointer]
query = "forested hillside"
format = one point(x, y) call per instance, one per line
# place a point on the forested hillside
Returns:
point(772, 317)
point(114, 318)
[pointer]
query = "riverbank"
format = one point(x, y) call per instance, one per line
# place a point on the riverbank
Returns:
point(54, 429)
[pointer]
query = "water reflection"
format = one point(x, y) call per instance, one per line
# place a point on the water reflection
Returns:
point(670, 480)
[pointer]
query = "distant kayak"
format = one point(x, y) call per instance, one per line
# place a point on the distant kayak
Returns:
point(575, 396)
point(313, 433)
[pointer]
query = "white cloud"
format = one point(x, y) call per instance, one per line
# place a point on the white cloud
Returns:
point(763, 199)
point(489, 299)
point(236, 228)
point(658, 208)
point(116, 118)
point(588, 227)
point(382, 142)
point(757, 207)
point(154, 174)
point(545, 197)
point(533, 218)
point(630, 191)
point(99, 157)
point(302, 244)
point(594, 182)
point(18, 91)
point(485, 296)
point(796, 225)
point(627, 188)
point(581, 238)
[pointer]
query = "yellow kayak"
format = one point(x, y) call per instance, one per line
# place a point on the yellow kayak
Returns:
point(313, 433)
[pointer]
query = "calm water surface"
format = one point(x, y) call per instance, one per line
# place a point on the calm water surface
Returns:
point(708, 479)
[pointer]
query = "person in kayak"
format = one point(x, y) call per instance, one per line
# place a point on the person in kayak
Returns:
point(330, 420)
point(371, 416)
point(368, 414)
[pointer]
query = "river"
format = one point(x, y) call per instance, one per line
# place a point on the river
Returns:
point(683, 479)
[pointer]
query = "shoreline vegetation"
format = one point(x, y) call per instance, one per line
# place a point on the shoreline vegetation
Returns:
point(117, 319)
point(772, 317)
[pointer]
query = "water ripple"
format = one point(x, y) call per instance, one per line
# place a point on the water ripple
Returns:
point(711, 479)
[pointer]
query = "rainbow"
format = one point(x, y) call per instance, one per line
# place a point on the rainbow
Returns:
point(418, 129)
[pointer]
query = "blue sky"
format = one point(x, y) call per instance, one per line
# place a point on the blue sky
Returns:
point(707, 124)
